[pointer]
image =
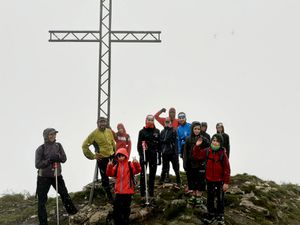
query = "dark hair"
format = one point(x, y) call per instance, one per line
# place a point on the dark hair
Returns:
point(219, 138)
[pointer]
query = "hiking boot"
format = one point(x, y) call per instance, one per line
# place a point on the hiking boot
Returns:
point(209, 221)
point(220, 220)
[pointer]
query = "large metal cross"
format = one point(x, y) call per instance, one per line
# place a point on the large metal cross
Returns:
point(105, 36)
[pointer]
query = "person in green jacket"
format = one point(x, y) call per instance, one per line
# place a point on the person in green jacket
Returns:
point(104, 144)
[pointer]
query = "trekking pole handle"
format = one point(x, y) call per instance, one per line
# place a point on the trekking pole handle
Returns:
point(144, 145)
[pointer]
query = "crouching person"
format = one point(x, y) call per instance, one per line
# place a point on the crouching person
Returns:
point(124, 172)
point(217, 176)
point(48, 156)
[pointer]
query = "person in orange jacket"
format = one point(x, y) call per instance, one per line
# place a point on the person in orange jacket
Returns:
point(172, 114)
point(124, 172)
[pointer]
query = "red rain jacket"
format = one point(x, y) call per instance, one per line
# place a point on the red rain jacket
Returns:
point(123, 180)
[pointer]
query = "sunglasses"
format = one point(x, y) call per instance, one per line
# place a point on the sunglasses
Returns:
point(120, 155)
point(167, 121)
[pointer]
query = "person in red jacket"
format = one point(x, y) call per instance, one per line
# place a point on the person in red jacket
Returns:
point(124, 186)
point(217, 175)
point(122, 138)
point(172, 114)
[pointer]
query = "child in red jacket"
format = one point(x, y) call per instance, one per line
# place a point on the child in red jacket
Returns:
point(217, 176)
point(124, 186)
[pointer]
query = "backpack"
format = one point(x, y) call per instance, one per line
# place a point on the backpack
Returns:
point(132, 177)
point(221, 160)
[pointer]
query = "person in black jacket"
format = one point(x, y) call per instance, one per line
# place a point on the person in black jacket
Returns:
point(149, 141)
point(46, 156)
point(203, 131)
point(195, 169)
point(169, 147)
point(226, 142)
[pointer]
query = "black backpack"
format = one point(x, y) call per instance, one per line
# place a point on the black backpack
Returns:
point(132, 177)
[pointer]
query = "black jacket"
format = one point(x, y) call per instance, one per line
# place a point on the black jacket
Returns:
point(151, 136)
point(168, 139)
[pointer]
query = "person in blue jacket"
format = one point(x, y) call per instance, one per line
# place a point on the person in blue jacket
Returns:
point(183, 131)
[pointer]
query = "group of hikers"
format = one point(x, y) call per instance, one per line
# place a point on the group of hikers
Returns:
point(205, 161)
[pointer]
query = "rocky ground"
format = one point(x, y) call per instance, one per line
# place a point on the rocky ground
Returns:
point(250, 201)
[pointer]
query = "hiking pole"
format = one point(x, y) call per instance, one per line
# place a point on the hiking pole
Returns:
point(56, 187)
point(95, 178)
point(145, 171)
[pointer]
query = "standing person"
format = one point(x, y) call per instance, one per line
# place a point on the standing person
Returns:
point(149, 141)
point(226, 144)
point(48, 154)
point(195, 169)
point(172, 114)
point(203, 131)
point(103, 141)
point(217, 175)
point(122, 138)
point(168, 139)
point(183, 131)
point(124, 172)
point(174, 123)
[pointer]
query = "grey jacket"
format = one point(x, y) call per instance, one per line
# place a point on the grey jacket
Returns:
point(42, 158)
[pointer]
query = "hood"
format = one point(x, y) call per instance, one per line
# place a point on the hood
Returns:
point(122, 151)
point(195, 123)
point(47, 131)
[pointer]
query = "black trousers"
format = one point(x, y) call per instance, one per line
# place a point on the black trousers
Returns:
point(215, 190)
point(102, 164)
point(43, 186)
point(152, 162)
point(121, 211)
point(198, 179)
point(167, 158)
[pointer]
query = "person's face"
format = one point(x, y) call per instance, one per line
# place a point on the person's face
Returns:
point(150, 120)
point(215, 142)
point(52, 137)
point(181, 120)
point(196, 130)
point(168, 122)
point(203, 128)
point(219, 129)
point(120, 130)
point(172, 114)
point(121, 157)
point(102, 124)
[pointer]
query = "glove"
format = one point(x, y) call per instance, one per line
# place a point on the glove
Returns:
point(54, 158)
point(163, 110)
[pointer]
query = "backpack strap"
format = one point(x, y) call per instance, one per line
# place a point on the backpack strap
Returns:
point(131, 174)
point(132, 180)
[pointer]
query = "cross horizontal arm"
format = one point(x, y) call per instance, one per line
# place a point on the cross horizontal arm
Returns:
point(94, 36)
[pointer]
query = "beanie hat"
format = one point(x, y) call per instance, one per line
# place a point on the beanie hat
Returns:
point(203, 124)
point(101, 118)
point(219, 138)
